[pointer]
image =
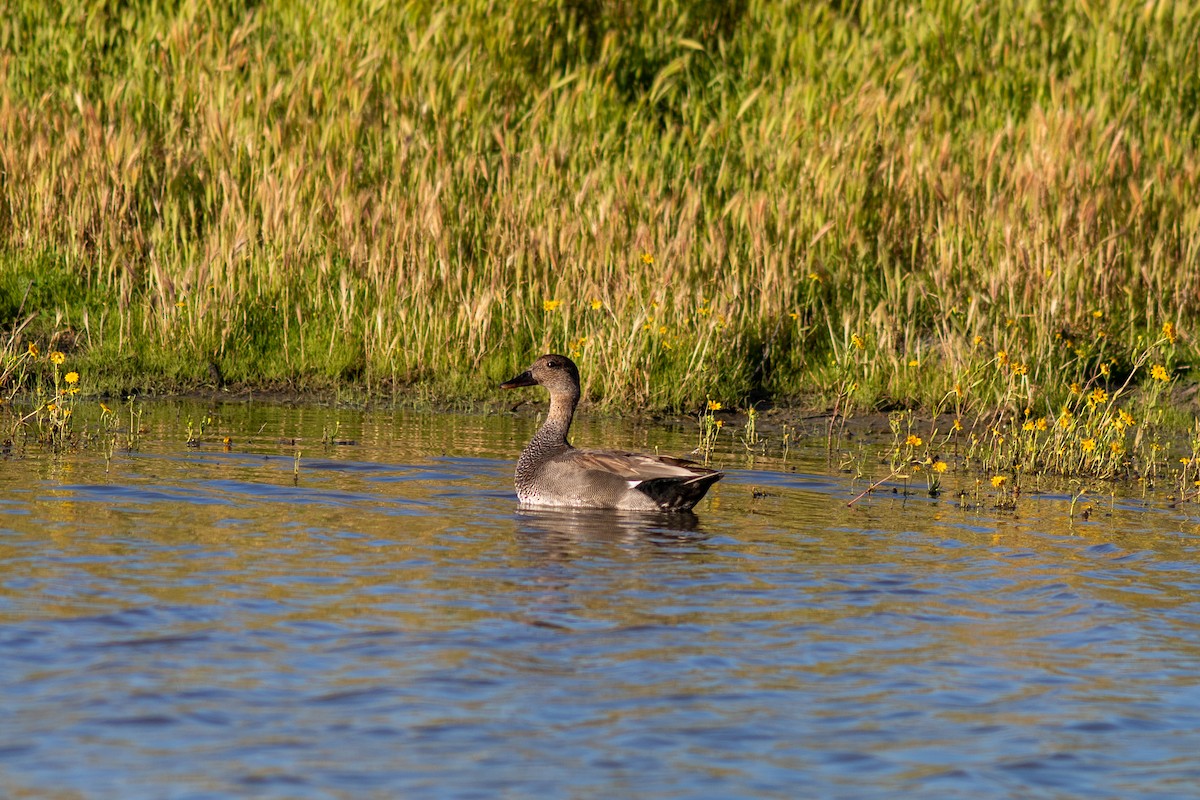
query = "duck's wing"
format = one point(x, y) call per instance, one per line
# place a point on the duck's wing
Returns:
point(636, 468)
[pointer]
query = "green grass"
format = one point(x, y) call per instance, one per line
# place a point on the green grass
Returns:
point(695, 200)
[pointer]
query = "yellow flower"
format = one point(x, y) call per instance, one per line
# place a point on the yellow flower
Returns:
point(1028, 426)
point(1002, 357)
point(812, 276)
point(1041, 424)
point(1185, 461)
point(913, 440)
point(1097, 313)
point(105, 409)
point(33, 351)
point(662, 330)
point(597, 305)
point(1105, 370)
point(957, 426)
point(1020, 369)
point(1076, 389)
point(1125, 418)
point(998, 480)
point(858, 342)
point(1117, 448)
point(1097, 397)
point(1088, 445)
point(647, 259)
point(1169, 332)
point(794, 315)
point(1159, 373)
point(714, 405)
point(551, 305)
point(939, 466)
point(720, 424)
point(914, 362)
point(71, 377)
point(704, 311)
point(1066, 418)
point(57, 358)
point(978, 340)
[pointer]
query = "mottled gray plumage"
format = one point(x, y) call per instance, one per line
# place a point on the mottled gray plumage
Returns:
point(551, 472)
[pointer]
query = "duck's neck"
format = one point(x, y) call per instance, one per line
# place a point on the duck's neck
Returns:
point(551, 438)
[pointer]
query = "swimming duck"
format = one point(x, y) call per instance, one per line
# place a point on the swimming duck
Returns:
point(551, 472)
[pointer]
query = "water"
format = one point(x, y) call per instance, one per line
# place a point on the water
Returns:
point(196, 623)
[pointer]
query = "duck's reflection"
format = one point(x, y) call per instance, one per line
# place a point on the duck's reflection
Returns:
point(578, 556)
point(573, 531)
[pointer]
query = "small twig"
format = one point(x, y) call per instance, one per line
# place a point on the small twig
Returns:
point(873, 487)
point(1185, 499)
point(31, 414)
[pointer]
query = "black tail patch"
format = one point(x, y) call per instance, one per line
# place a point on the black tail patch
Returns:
point(678, 494)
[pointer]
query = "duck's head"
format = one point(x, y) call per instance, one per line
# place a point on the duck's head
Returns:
point(557, 373)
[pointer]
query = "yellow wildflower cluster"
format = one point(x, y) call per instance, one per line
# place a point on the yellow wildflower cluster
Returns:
point(52, 416)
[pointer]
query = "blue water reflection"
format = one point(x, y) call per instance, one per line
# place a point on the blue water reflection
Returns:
point(383, 621)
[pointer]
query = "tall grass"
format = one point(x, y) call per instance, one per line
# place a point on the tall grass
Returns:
point(860, 201)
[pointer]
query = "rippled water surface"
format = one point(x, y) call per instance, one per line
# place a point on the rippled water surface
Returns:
point(195, 622)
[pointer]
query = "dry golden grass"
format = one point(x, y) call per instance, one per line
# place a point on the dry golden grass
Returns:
point(694, 203)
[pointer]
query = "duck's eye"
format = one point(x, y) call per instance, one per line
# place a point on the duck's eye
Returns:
point(552, 364)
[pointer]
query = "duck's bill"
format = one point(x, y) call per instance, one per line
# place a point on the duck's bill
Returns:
point(524, 379)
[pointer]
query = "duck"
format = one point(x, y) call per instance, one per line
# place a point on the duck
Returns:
point(550, 472)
